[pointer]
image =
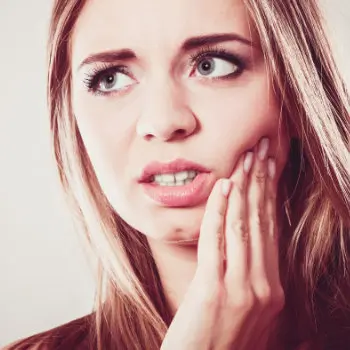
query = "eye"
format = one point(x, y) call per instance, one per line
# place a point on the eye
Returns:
point(108, 80)
point(113, 81)
point(214, 67)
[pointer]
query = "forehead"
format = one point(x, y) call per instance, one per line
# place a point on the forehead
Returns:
point(154, 25)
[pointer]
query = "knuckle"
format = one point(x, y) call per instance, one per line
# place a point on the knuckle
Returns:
point(269, 224)
point(271, 196)
point(260, 221)
point(278, 300)
point(221, 212)
point(264, 294)
point(219, 235)
point(270, 298)
point(240, 227)
point(243, 300)
point(264, 228)
point(260, 212)
point(260, 176)
point(239, 187)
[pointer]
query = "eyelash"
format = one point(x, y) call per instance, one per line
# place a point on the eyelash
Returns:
point(97, 73)
point(217, 52)
point(94, 77)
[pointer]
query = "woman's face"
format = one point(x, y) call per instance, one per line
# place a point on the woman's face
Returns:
point(165, 80)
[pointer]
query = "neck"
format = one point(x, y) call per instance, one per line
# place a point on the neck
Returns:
point(176, 265)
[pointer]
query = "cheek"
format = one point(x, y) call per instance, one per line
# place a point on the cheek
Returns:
point(235, 119)
point(106, 132)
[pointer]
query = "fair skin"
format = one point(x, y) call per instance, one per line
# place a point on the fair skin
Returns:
point(160, 93)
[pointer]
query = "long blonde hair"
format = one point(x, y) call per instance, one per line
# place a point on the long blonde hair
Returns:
point(315, 186)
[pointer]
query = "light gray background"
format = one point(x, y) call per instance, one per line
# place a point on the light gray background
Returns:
point(44, 277)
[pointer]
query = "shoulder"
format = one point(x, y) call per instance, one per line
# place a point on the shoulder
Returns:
point(75, 334)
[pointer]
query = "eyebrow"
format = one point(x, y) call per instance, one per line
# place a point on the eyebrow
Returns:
point(109, 56)
point(188, 45)
point(198, 41)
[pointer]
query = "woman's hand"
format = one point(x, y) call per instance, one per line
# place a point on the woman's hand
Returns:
point(236, 293)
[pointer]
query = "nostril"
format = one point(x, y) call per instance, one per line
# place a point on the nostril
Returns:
point(148, 137)
point(180, 132)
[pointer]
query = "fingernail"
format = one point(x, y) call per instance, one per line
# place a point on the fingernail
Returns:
point(263, 148)
point(248, 161)
point(225, 187)
point(271, 167)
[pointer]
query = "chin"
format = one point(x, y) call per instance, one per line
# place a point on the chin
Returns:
point(172, 225)
point(174, 234)
point(181, 238)
point(159, 223)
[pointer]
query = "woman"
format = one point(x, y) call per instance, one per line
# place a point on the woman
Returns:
point(204, 149)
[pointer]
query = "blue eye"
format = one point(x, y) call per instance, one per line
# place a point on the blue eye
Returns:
point(114, 82)
point(216, 63)
point(108, 79)
point(214, 67)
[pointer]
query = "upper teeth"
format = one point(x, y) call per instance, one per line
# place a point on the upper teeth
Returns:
point(175, 177)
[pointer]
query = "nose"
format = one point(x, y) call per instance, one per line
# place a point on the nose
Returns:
point(165, 115)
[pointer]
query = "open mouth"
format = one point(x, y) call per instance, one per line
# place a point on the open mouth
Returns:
point(180, 178)
point(180, 183)
point(186, 188)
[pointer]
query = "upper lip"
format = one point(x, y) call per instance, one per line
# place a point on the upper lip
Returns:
point(175, 166)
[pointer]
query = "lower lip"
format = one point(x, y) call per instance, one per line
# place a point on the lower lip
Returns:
point(192, 194)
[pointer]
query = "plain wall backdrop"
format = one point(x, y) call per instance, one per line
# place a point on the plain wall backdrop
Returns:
point(44, 276)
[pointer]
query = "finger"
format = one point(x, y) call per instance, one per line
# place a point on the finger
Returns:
point(271, 195)
point(272, 238)
point(236, 230)
point(211, 239)
point(257, 214)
